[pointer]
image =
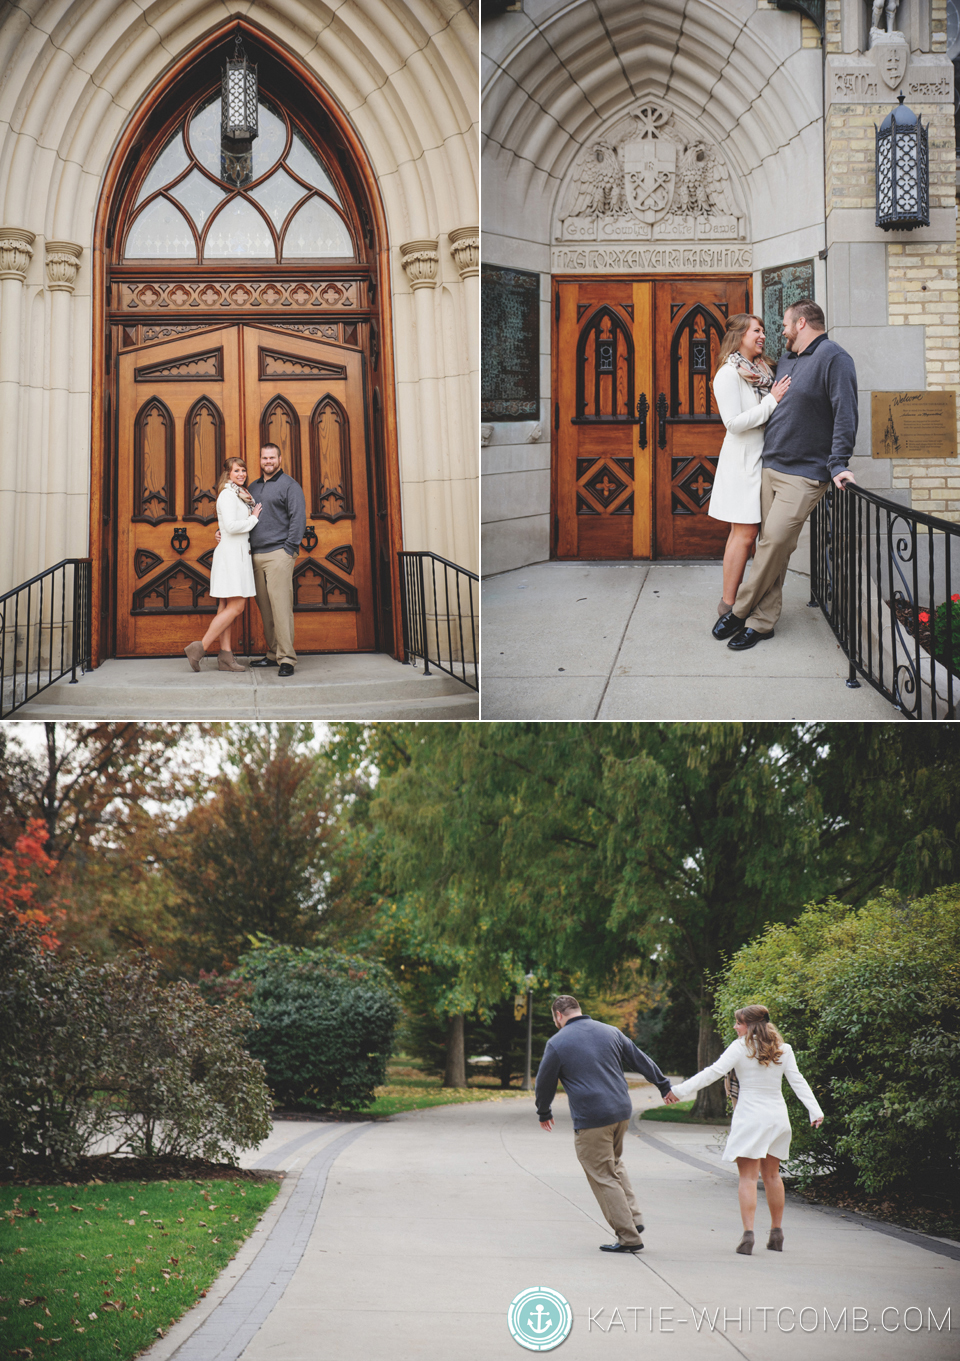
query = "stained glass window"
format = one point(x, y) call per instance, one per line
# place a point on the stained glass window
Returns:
point(290, 189)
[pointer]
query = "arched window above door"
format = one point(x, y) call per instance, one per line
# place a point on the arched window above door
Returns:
point(289, 211)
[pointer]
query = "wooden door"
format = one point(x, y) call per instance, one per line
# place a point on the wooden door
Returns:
point(186, 404)
point(603, 381)
point(690, 319)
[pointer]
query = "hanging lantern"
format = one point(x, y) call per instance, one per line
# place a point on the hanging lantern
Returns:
point(903, 174)
point(238, 117)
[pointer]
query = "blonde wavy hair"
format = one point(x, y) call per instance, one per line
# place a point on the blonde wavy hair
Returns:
point(737, 328)
point(763, 1040)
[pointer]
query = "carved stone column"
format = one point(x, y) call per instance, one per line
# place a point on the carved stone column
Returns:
point(465, 249)
point(420, 260)
point(61, 538)
point(16, 252)
point(63, 262)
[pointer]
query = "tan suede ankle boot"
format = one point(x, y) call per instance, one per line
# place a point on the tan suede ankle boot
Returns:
point(228, 662)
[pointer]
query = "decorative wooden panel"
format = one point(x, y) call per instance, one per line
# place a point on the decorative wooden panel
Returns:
point(153, 463)
point(203, 445)
point(191, 366)
point(144, 561)
point(342, 557)
point(314, 588)
point(276, 365)
point(693, 358)
point(280, 425)
point(224, 295)
point(605, 369)
point(330, 470)
point(178, 590)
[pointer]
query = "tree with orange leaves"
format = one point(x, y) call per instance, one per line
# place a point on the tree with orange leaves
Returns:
point(22, 871)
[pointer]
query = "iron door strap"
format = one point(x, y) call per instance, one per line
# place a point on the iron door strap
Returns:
point(643, 406)
point(662, 420)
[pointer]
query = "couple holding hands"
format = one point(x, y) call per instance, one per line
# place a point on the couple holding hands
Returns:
point(789, 434)
point(589, 1058)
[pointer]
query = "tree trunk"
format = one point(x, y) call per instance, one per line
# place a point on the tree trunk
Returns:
point(455, 1073)
point(711, 1101)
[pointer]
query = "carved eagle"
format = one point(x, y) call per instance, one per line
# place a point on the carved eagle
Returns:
point(598, 184)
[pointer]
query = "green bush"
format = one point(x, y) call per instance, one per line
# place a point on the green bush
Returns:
point(91, 1051)
point(325, 1025)
point(870, 1001)
point(947, 616)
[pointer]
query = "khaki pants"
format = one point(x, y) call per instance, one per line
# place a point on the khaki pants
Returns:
point(785, 503)
point(599, 1152)
point(273, 578)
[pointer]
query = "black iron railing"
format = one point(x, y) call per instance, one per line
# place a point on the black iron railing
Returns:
point(44, 632)
point(884, 577)
point(438, 602)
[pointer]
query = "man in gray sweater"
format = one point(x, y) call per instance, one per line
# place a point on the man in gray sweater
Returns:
point(275, 543)
point(589, 1057)
point(807, 442)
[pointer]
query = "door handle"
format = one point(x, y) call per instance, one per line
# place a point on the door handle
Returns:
point(662, 420)
point(643, 406)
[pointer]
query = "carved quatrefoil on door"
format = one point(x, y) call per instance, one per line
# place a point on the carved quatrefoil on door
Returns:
point(605, 485)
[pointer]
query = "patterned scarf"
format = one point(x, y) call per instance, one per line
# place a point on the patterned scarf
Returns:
point(242, 493)
point(759, 374)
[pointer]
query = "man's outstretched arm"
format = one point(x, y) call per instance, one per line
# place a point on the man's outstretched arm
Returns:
point(548, 1075)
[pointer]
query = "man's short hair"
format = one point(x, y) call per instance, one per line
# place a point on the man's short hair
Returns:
point(564, 1005)
point(276, 447)
point(811, 312)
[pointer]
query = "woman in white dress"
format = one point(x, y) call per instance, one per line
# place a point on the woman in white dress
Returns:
point(760, 1129)
point(747, 393)
point(231, 574)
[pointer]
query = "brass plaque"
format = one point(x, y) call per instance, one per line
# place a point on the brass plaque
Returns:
point(914, 424)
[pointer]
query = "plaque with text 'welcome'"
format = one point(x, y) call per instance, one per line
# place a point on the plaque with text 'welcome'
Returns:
point(914, 424)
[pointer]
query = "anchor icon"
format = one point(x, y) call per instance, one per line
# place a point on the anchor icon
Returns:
point(540, 1326)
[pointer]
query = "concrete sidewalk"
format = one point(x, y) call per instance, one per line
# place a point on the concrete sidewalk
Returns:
point(632, 641)
point(409, 1238)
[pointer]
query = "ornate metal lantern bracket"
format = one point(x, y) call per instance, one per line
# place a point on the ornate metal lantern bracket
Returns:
point(815, 11)
point(238, 116)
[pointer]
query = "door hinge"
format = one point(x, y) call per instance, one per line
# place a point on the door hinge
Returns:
point(556, 415)
point(556, 305)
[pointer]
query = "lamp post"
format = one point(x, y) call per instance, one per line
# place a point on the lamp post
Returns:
point(238, 117)
point(903, 172)
point(527, 1083)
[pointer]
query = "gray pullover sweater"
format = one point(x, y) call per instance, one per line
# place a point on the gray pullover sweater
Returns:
point(589, 1057)
point(812, 431)
point(283, 520)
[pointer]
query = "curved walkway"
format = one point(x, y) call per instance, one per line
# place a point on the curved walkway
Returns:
point(409, 1238)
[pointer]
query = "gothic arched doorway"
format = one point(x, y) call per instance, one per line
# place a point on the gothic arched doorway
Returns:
point(236, 309)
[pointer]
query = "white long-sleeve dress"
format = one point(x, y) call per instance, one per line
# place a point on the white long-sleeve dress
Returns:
point(761, 1122)
point(231, 572)
point(736, 487)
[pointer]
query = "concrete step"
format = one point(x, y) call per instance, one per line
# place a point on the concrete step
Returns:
point(352, 685)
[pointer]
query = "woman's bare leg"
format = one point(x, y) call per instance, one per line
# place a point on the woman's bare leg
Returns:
point(749, 1170)
point(740, 541)
point(773, 1186)
point(222, 621)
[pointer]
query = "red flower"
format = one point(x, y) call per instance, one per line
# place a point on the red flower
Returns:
point(955, 597)
point(924, 617)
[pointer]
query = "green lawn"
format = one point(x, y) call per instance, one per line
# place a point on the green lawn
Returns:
point(680, 1114)
point(409, 1089)
point(96, 1271)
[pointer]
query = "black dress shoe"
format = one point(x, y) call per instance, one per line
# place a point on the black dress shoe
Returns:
point(620, 1247)
point(748, 638)
point(285, 669)
point(264, 661)
point(727, 625)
